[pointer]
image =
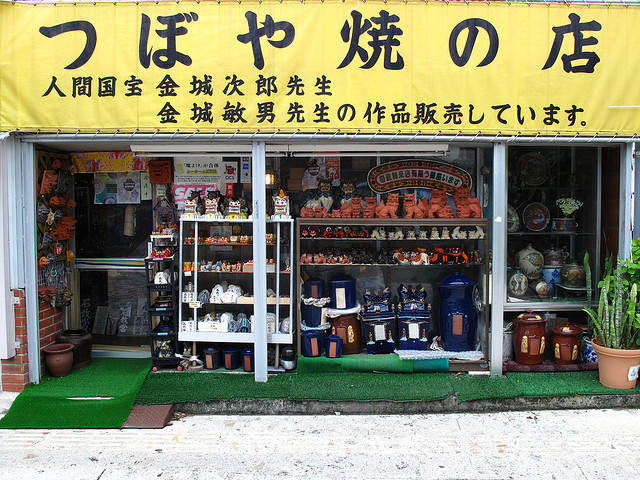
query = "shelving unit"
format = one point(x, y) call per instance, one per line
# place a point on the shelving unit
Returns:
point(161, 279)
point(207, 245)
point(378, 275)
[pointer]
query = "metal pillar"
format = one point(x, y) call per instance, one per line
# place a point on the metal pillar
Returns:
point(259, 261)
point(626, 200)
point(499, 255)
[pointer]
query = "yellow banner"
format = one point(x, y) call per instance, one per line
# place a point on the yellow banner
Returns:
point(390, 66)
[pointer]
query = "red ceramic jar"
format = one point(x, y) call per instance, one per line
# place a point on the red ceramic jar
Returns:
point(566, 343)
point(529, 339)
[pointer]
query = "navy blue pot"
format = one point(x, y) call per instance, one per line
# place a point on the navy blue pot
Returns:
point(248, 360)
point(333, 346)
point(311, 344)
point(231, 356)
point(458, 315)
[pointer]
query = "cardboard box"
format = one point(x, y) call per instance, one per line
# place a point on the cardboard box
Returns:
point(294, 182)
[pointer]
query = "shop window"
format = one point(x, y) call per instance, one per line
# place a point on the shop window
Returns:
point(553, 222)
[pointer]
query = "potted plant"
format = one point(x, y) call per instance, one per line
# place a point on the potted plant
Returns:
point(616, 323)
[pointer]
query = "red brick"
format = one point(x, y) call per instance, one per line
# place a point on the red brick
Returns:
point(46, 322)
point(21, 330)
point(15, 360)
point(12, 369)
point(13, 388)
point(15, 378)
point(20, 312)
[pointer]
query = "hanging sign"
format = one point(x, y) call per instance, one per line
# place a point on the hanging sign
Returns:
point(392, 67)
point(417, 173)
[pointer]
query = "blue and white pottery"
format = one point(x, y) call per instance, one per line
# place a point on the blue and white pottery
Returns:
point(589, 354)
point(551, 275)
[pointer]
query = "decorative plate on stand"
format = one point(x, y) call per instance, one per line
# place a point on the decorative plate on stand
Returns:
point(536, 216)
point(533, 169)
point(513, 220)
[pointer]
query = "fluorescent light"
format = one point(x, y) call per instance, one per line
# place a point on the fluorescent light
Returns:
point(200, 155)
point(369, 148)
point(218, 147)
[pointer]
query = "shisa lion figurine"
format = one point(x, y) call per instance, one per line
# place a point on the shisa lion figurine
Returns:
point(211, 204)
point(191, 204)
point(369, 208)
point(411, 208)
point(351, 208)
point(281, 206)
point(389, 209)
point(466, 205)
point(437, 207)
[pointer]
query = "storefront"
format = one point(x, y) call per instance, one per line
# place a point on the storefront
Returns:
point(356, 103)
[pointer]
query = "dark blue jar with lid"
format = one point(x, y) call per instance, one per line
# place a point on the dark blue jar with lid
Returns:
point(458, 314)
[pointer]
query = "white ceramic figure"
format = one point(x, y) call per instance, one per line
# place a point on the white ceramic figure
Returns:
point(434, 234)
point(445, 234)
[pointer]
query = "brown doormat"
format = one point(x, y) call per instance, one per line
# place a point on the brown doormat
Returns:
point(149, 416)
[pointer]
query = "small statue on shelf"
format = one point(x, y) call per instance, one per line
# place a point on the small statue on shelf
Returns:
point(281, 206)
point(438, 207)
point(466, 205)
point(389, 209)
point(411, 208)
point(211, 204)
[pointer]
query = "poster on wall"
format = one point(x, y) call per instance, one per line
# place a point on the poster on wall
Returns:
point(146, 189)
point(180, 192)
point(212, 170)
point(105, 187)
point(128, 187)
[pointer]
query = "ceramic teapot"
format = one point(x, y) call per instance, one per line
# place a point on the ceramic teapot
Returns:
point(555, 256)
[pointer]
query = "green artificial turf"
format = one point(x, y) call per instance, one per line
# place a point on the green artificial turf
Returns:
point(50, 404)
point(175, 387)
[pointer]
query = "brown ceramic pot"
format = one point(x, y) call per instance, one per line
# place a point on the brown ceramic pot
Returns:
point(529, 339)
point(59, 358)
point(347, 327)
point(566, 343)
point(82, 342)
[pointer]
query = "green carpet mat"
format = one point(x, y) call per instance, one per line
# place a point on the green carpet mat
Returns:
point(176, 387)
point(98, 396)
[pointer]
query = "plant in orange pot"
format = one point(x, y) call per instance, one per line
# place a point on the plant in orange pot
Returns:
point(616, 325)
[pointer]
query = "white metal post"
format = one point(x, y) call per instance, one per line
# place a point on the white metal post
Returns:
point(258, 172)
point(7, 318)
point(626, 199)
point(499, 255)
point(28, 162)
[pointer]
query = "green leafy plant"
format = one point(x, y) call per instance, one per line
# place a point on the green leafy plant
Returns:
point(616, 322)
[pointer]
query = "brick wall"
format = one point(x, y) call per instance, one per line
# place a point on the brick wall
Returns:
point(15, 370)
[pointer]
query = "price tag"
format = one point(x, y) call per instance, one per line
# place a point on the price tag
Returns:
point(194, 304)
point(633, 373)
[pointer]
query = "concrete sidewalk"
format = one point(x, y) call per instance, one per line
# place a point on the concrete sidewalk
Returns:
point(569, 444)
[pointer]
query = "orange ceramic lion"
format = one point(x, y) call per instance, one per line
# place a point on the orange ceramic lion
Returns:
point(389, 209)
point(411, 208)
point(438, 207)
point(466, 206)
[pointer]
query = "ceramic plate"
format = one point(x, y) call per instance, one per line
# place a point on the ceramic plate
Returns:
point(533, 169)
point(536, 216)
point(513, 220)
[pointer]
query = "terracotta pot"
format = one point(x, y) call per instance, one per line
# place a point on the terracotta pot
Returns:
point(614, 366)
point(82, 341)
point(566, 343)
point(59, 359)
point(529, 339)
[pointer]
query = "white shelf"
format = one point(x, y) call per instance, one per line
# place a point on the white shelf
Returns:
point(226, 337)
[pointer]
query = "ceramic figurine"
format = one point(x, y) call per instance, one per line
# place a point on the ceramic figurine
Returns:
point(438, 207)
point(281, 206)
point(445, 234)
point(211, 202)
point(235, 208)
point(324, 194)
point(517, 283)
point(411, 208)
point(434, 234)
point(369, 207)
point(388, 209)
point(477, 234)
point(347, 190)
point(466, 205)
point(411, 234)
point(191, 204)
point(423, 234)
point(458, 234)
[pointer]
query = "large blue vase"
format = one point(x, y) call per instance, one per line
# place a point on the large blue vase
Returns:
point(458, 315)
